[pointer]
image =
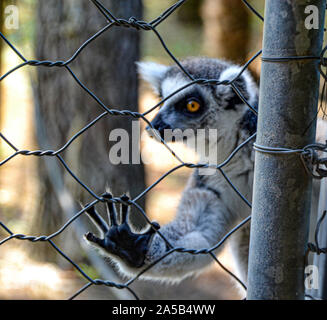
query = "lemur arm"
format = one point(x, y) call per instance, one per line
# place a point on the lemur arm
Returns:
point(201, 221)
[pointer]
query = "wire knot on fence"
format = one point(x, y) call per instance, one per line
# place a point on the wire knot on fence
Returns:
point(308, 155)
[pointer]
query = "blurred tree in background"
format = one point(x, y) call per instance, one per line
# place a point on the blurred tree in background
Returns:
point(2, 8)
point(226, 29)
point(1, 45)
point(62, 108)
point(190, 12)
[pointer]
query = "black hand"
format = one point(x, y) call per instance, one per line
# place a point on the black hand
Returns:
point(119, 239)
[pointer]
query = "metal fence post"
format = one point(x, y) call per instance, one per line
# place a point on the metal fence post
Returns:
point(282, 190)
point(320, 260)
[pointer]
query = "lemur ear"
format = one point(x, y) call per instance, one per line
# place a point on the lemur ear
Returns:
point(153, 73)
point(231, 73)
point(244, 83)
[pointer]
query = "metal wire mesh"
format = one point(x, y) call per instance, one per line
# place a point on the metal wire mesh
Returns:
point(141, 26)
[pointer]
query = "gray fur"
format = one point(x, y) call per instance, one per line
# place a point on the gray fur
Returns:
point(209, 208)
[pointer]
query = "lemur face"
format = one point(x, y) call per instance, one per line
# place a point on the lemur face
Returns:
point(196, 107)
point(185, 110)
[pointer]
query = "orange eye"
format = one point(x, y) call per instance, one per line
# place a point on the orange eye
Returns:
point(193, 106)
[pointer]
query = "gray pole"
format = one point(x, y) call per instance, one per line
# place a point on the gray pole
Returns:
point(321, 260)
point(282, 189)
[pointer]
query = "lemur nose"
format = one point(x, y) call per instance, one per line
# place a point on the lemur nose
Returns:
point(158, 127)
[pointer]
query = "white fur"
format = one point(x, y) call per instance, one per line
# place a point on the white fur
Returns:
point(230, 73)
point(152, 72)
point(170, 85)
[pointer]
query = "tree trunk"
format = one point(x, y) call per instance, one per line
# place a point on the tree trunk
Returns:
point(189, 13)
point(226, 29)
point(107, 67)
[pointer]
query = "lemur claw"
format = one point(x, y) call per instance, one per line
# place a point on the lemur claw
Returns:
point(91, 237)
point(119, 239)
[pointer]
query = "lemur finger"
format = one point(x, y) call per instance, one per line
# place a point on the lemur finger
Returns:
point(92, 238)
point(97, 219)
point(111, 210)
point(154, 227)
point(124, 209)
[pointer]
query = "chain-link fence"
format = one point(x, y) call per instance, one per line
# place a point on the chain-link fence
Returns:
point(112, 20)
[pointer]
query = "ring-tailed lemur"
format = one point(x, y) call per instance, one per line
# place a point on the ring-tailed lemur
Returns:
point(209, 208)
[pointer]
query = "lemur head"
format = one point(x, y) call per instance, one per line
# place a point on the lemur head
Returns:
point(199, 106)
